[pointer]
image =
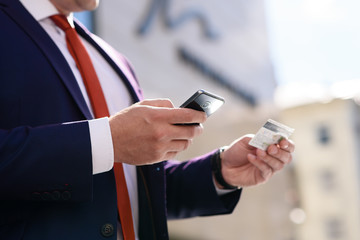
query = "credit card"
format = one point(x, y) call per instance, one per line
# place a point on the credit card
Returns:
point(271, 133)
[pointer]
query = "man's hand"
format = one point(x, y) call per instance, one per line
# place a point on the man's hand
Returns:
point(244, 165)
point(144, 133)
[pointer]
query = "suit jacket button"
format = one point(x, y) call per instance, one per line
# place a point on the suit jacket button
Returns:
point(107, 230)
point(66, 195)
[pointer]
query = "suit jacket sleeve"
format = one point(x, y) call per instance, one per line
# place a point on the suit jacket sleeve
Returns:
point(40, 158)
point(191, 192)
point(36, 162)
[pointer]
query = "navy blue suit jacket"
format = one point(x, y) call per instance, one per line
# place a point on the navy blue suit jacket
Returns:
point(47, 190)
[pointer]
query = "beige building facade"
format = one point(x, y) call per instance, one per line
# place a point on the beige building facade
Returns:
point(326, 168)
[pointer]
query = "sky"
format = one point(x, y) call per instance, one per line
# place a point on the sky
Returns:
point(314, 41)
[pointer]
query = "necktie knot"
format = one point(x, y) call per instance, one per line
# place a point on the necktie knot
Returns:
point(61, 21)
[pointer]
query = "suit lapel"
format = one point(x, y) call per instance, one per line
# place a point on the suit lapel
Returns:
point(49, 49)
point(116, 61)
point(32, 28)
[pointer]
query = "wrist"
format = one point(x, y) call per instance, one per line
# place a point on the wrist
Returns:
point(216, 166)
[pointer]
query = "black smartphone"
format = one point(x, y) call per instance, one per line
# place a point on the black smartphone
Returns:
point(204, 101)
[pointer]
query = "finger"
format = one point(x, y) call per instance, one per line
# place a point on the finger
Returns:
point(246, 139)
point(170, 155)
point(287, 145)
point(187, 131)
point(166, 150)
point(160, 102)
point(186, 115)
point(175, 147)
point(178, 145)
point(278, 153)
point(274, 163)
point(266, 170)
point(178, 132)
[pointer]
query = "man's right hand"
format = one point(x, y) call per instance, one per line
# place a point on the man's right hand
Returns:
point(145, 132)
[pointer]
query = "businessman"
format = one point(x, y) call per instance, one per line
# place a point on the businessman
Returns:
point(83, 155)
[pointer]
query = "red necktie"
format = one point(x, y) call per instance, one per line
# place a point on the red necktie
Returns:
point(98, 103)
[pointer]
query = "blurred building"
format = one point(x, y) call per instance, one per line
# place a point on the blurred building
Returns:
point(178, 47)
point(326, 169)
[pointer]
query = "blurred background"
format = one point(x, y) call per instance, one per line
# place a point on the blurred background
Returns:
point(293, 61)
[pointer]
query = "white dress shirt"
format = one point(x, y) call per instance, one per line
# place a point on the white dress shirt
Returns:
point(116, 95)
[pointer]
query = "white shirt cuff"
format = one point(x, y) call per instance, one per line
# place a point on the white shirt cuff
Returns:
point(101, 145)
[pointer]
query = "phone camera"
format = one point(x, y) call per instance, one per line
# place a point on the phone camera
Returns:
point(206, 105)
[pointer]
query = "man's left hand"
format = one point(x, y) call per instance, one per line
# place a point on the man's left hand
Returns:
point(244, 165)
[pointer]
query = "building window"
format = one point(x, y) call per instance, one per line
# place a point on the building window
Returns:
point(324, 136)
point(327, 179)
point(334, 229)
